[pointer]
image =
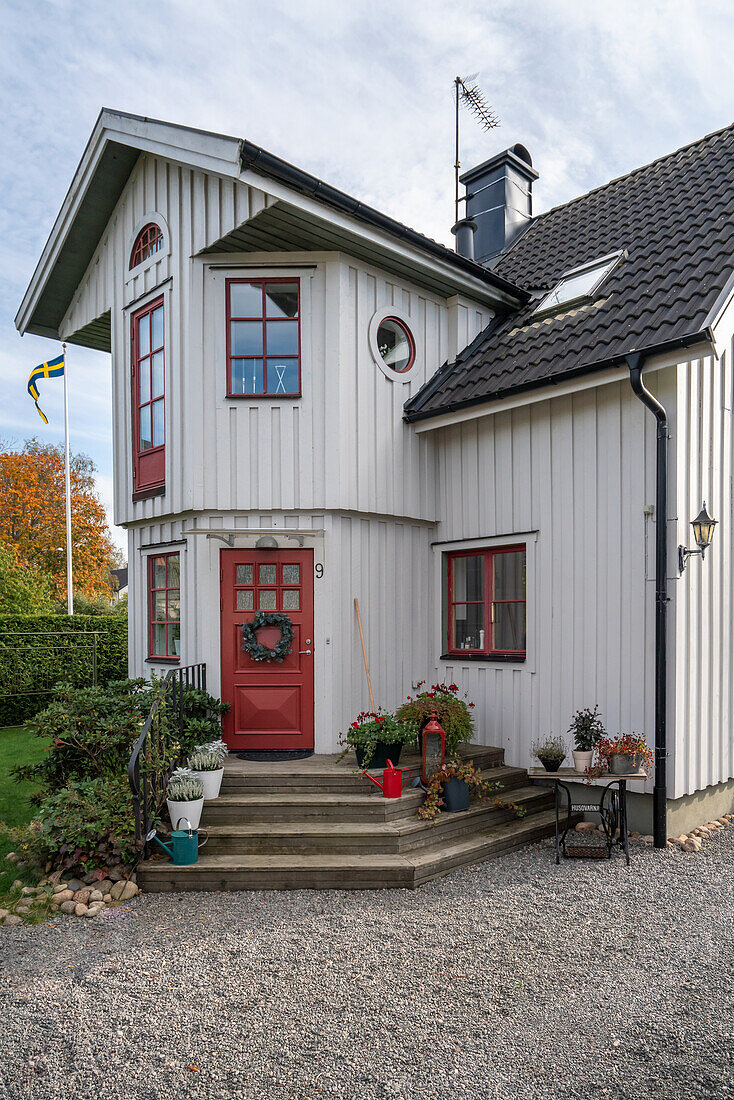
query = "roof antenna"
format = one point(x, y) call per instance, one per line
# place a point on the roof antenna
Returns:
point(471, 95)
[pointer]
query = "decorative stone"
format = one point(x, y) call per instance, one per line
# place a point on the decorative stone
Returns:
point(68, 906)
point(90, 877)
point(105, 886)
point(96, 895)
point(712, 825)
point(63, 895)
point(60, 887)
point(75, 884)
point(93, 910)
point(107, 899)
point(11, 857)
point(115, 874)
point(28, 890)
point(129, 891)
point(722, 820)
point(23, 909)
point(4, 913)
point(81, 897)
point(586, 827)
point(80, 910)
point(693, 844)
point(11, 921)
point(647, 838)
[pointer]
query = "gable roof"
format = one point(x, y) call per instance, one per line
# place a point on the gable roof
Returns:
point(674, 218)
point(117, 141)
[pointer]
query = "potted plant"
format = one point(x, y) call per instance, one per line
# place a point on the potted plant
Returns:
point(452, 787)
point(207, 765)
point(587, 730)
point(452, 713)
point(624, 754)
point(185, 798)
point(377, 737)
point(550, 751)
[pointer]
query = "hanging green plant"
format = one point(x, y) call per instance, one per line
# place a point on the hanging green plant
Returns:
point(259, 652)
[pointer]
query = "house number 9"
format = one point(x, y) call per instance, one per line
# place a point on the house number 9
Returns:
point(319, 570)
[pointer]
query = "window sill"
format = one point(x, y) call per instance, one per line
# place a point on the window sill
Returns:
point(163, 660)
point(502, 658)
point(146, 494)
point(261, 396)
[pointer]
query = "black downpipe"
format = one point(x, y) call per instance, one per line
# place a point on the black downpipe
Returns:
point(660, 790)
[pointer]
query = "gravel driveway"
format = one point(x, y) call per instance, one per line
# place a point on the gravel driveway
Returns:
point(514, 979)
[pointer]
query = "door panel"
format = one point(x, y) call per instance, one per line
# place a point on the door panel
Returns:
point(272, 702)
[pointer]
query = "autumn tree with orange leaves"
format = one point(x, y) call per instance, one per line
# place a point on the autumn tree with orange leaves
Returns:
point(33, 517)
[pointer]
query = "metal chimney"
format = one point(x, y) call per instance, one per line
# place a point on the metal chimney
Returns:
point(499, 200)
point(464, 231)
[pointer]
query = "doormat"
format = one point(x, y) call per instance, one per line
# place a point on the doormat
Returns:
point(283, 754)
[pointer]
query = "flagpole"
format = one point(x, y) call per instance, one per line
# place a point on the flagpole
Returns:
point(67, 481)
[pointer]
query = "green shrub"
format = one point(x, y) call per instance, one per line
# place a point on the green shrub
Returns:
point(30, 665)
point(453, 713)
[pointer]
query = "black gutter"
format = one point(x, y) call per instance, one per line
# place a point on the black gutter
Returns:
point(412, 411)
point(660, 791)
point(253, 156)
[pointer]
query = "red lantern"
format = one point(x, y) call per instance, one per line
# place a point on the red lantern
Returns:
point(433, 747)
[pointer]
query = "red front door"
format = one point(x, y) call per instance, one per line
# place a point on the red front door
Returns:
point(271, 702)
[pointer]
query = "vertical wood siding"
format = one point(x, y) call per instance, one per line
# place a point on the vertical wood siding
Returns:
point(704, 697)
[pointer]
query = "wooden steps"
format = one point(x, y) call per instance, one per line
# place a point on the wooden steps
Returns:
point(316, 824)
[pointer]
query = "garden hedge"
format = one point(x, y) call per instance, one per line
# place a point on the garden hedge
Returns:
point(41, 663)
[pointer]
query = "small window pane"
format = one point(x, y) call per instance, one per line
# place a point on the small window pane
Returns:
point(156, 324)
point(291, 574)
point(282, 338)
point(244, 600)
point(244, 574)
point(281, 300)
point(174, 571)
point(157, 365)
point(247, 376)
point(158, 606)
point(246, 338)
point(268, 573)
point(469, 626)
point(245, 300)
point(174, 605)
point(395, 346)
point(267, 599)
point(158, 435)
point(469, 578)
point(174, 640)
point(144, 335)
point(509, 627)
point(509, 576)
point(291, 599)
point(282, 376)
point(159, 638)
point(145, 433)
point(159, 573)
point(144, 381)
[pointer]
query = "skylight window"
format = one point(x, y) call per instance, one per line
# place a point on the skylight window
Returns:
point(578, 284)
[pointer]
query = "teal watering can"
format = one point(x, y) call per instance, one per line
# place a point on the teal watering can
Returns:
point(184, 846)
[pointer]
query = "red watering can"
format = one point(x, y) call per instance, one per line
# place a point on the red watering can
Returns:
point(392, 781)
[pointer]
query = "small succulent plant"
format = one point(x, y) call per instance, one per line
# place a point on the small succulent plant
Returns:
point(205, 760)
point(184, 786)
point(218, 747)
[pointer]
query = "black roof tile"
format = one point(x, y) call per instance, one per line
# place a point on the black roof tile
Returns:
point(675, 220)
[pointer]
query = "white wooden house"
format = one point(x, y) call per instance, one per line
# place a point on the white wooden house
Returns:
point(312, 402)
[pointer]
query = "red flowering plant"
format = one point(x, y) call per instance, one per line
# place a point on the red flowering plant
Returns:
point(479, 787)
point(624, 744)
point(452, 711)
point(371, 727)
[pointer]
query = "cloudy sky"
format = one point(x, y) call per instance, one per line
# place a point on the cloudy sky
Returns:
point(356, 92)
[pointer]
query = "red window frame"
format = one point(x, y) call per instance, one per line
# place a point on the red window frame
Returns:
point(489, 650)
point(148, 241)
point(411, 343)
point(262, 283)
point(168, 622)
point(149, 464)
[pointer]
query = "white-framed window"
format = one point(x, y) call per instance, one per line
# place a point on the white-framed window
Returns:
point(579, 284)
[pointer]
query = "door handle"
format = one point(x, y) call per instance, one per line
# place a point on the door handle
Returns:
point(304, 651)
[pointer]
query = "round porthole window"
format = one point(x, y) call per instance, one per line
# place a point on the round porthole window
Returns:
point(396, 345)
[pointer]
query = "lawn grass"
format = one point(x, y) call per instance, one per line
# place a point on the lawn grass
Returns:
point(17, 746)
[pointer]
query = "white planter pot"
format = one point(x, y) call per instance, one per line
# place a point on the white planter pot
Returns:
point(189, 810)
point(212, 782)
point(582, 760)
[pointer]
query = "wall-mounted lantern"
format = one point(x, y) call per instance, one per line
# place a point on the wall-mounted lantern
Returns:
point(703, 532)
point(433, 747)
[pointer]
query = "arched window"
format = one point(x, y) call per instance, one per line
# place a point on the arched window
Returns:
point(148, 241)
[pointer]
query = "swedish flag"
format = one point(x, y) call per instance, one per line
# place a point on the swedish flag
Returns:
point(53, 369)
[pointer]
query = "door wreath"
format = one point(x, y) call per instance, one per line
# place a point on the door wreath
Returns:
point(259, 652)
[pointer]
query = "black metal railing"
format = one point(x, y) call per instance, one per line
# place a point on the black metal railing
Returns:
point(154, 756)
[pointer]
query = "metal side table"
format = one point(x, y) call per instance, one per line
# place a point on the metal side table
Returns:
point(611, 806)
